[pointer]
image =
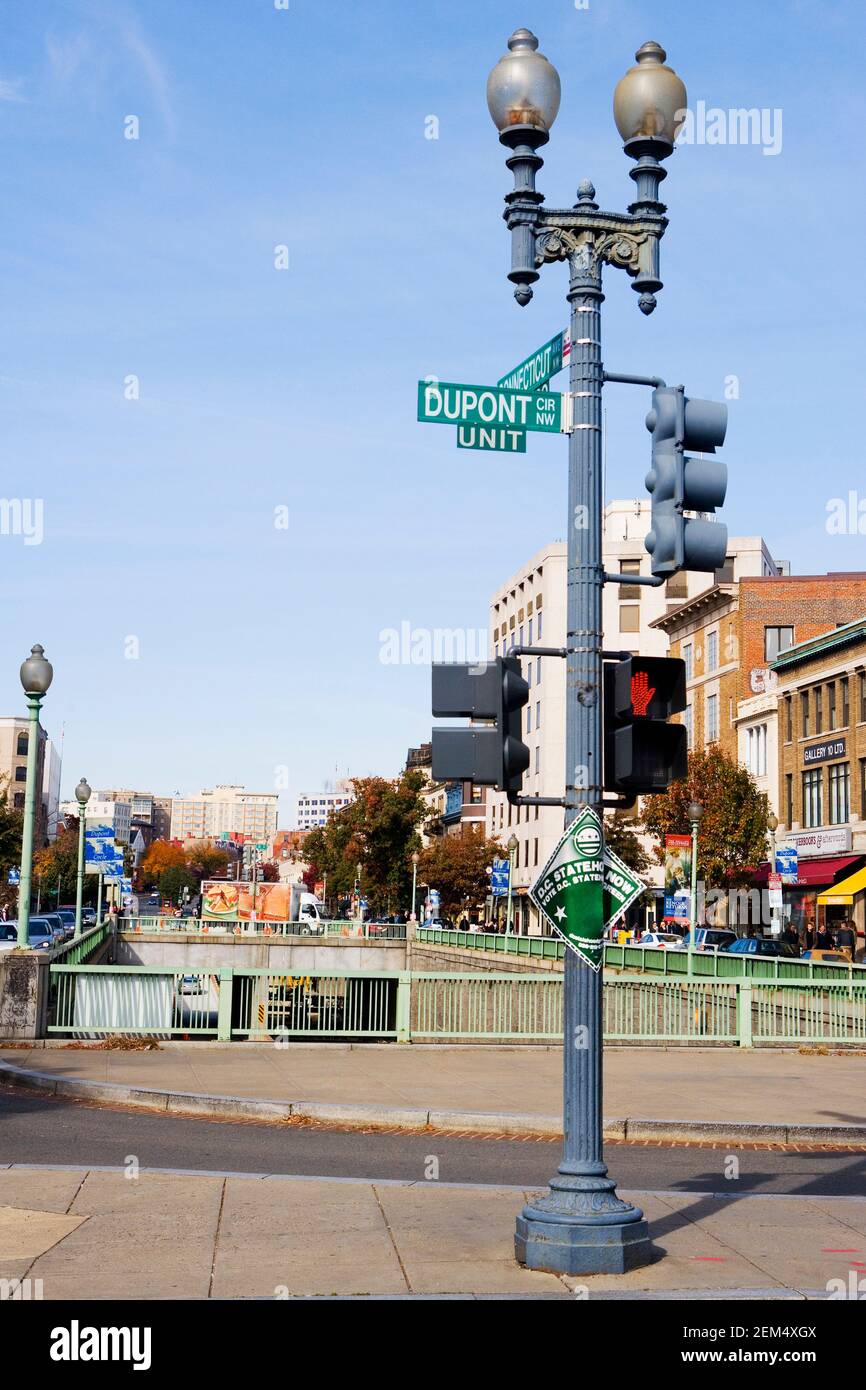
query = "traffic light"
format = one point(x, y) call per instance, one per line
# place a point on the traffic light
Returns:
point(492, 755)
point(643, 753)
point(678, 483)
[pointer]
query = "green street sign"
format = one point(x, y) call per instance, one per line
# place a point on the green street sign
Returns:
point(480, 437)
point(621, 887)
point(453, 403)
point(569, 890)
point(534, 372)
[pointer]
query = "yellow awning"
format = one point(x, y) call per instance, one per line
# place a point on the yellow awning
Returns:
point(843, 894)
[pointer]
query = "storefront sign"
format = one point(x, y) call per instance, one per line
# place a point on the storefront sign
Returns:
point(823, 752)
point(835, 840)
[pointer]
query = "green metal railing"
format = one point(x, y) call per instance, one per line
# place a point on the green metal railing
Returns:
point(656, 960)
point(80, 948)
point(227, 1003)
point(369, 931)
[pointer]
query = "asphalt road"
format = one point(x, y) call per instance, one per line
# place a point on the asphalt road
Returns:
point(37, 1129)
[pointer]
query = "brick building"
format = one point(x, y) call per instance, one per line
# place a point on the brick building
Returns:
point(822, 770)
point(730, 637)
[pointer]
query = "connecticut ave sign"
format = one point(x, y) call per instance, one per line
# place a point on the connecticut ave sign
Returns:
point(583, 887)
point(452, 403)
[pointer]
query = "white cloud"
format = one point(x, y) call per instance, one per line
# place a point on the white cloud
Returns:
point(11, 91)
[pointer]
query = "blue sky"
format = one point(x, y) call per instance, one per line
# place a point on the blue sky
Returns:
point(259, 648)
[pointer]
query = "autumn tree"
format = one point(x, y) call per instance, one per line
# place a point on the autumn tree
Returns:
point(457, 865)
point(174, 879)
point(379, 831)
point(732, 837)
point(159, 856)
point(204, 860)
point(620, 836)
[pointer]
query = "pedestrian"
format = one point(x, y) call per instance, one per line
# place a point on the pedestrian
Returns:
point(846, 938)
point(823, 938)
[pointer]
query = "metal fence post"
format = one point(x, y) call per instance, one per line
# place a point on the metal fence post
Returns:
point(744, 1012)
point(224, 1016)
point(404, 1004)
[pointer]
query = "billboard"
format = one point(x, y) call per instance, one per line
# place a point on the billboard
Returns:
point(678, 877)
point(233, 902)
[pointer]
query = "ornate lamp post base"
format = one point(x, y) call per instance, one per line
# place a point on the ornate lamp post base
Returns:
point(565, 1233)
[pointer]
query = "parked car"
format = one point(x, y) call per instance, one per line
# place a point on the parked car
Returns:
point(759, 946)
point(41, 935)
point(67, 917)
point(88, 917)
point(8, 936)
point(659, 938)
point(710, 939)
point(57, 925)
point(826, 957)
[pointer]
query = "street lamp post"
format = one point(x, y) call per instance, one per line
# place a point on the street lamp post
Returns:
point(415, 858)
point(696, 810)
point(36, 677)
point(772, 826)
point(82, 796)
point(513, 846)
point(581, 1226)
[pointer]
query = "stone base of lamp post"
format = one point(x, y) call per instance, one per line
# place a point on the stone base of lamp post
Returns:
point(23, 994)
point(560, 1234)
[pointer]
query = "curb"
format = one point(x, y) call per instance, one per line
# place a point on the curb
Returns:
point(479, 1122)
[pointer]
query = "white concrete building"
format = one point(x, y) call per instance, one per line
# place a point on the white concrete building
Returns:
point(529, 608)
point(225, 808)
point(52, 765)
point(117, 814)
point(314, 809)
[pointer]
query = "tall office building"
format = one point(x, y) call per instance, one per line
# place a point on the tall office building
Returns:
point(314, 809)
point(225, 809)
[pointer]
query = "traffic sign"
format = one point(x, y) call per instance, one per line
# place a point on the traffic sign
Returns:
point(535, 371)
point(787, 862)
point(453, 403)
point(14, 876)
point(569, 891)
point(480, 437)
point(499, 878)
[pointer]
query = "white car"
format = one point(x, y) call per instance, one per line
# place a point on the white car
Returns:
point(659, 938)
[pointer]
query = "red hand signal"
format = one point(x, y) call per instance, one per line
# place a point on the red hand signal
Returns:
point(641, 693)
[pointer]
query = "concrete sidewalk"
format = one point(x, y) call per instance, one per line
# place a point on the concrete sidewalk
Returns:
point(720, 1092)
point(98, 1233)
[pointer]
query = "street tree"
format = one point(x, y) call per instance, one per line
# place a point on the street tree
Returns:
point(621, 837)
point(378, 830)
point(56, 867)
point(457, 866)
point(205, 860)
point(173, 880)
point(11, 821)
point(159, 856)
point(733, 829)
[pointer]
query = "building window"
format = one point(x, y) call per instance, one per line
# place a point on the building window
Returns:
point(712, 650)
point(18, 800)
point(789, 720)
point(21, 747)
point(530, 631)
point(804, 714)
point(846, 702)
point(677, 586)
point(529, 719)
point(840, 794)
point(725, 575)
point(789, 798)
point(687, 658)
point(756, 750)
point(776, 641)
point(629, 617)
point(712, 718)
point(862, 692)
point(21, 773)
point(689, 723)
point(538, 667)
point(831, 705)
point(863, 788)
point(538, 714)
point(819, 710)
point(537, 757)
point(535, 858)
point(813, 797)
point(539, 616)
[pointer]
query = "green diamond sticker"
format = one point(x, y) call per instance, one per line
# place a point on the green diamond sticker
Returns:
point(569, 891)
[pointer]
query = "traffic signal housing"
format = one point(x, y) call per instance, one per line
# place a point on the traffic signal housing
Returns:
point(492, 754)
point(678, 483)
point(643, 753)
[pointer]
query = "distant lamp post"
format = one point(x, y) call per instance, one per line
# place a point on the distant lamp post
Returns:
point(415, 857)
point(82, 796)
point(773, 826)
point(36, 677)
point(696, 810)
point(513, 847)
